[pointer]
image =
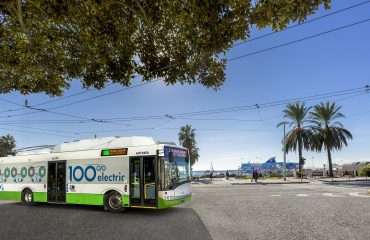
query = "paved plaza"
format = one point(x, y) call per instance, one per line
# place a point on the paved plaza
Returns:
point(315, 210)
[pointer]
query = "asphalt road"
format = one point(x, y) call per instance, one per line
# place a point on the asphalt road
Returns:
point(291, 211)
point(83, 222)
point(217, 211)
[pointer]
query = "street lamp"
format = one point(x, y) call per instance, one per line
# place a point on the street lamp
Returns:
point(284, 149)
point(313, 166)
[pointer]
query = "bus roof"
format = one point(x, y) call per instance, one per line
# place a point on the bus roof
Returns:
point(84, 148)
point(100, 143)
point(90, 144)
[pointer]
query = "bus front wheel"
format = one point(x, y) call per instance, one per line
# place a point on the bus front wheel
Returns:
point(113, 202)
point(27, 197)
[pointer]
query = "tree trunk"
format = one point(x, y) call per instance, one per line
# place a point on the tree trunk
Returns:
point(330, 164)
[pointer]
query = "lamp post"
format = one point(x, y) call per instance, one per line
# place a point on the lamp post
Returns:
point(284, 149)
point(313, 166)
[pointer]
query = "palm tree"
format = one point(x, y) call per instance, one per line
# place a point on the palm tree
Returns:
point(7, 145)
point(329, 133)
point(187, 140)
point(300, 135)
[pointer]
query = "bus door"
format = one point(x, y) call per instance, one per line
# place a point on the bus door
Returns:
point(143, 189)
point(57, 181)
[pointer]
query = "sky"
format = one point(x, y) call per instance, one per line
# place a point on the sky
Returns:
point(336, 61)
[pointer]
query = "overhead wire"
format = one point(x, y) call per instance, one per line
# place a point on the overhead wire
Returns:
point(297, 40)
point(173, 117)
point(40, 133)
point(301, 24)
point(271, 104)
point(36, 128)
point(186, 115)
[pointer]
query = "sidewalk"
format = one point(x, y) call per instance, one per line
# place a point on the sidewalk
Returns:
point(343, 179)
point(233, 181)
point(270, 181)
point(289, 180)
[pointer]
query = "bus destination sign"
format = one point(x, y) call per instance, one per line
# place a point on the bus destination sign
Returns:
point(113, 152)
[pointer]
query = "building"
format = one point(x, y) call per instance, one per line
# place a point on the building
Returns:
point(269, 167)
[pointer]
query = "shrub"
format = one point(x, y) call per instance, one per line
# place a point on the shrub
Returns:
point(365, 171)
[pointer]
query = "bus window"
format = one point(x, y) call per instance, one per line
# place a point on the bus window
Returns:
point(135, 180)
point(175, 168)
point(149, 180)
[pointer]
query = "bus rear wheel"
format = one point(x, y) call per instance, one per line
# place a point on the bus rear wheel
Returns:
point(113, 202)
point(27, 197)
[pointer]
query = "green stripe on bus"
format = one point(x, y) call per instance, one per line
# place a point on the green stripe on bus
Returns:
point(13, 196)
point(92, 199)
point(17, 196)
point(83, 198)
point(125, 200)
point(40, 197)
point(169, 203)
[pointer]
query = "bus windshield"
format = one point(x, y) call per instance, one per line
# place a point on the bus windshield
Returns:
point(175, 168)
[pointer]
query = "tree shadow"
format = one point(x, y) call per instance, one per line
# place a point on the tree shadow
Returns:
point(60, 221)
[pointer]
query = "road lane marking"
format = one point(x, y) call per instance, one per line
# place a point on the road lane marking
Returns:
point(275, 195)
point(302, 195)
point(331, 195)
point(356, 194)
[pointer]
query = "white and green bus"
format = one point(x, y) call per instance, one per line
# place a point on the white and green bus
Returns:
point(114, 172)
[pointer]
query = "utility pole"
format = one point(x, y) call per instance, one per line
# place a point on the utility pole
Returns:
point(284, 149)
point(313, 166)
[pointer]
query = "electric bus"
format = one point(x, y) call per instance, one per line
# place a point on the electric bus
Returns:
point(114, 172)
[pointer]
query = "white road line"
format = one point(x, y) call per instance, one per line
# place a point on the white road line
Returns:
point(331, 195)
point(275, 195)
point(356, 194)
point(302, 195)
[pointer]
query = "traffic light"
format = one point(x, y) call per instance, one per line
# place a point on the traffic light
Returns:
point(303, 160)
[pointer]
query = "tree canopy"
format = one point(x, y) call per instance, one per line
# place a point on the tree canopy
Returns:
point(7, 145)
point(329, 132)
point(299, 137)
point(187, 140)
point(44, 45)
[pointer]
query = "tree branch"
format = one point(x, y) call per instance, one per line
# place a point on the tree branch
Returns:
point(20, 14)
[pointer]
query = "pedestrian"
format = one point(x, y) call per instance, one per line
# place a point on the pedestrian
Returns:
point(211, 175)
point(227, 174)
point(255, 175)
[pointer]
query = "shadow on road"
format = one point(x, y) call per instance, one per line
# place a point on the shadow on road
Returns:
point(353, 184)
point(51, 221)
point(203, 181)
